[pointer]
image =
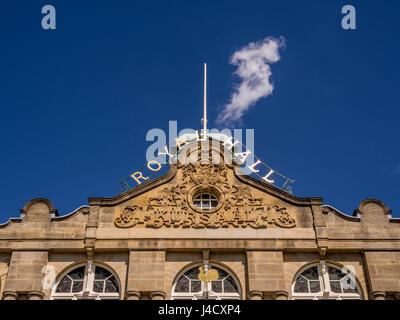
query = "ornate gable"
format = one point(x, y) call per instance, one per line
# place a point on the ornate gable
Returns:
point(229, 203)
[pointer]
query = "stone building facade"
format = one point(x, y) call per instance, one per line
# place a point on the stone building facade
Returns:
point(201, 231)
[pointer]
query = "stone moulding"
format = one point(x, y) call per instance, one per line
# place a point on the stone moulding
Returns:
point(53, 211)
point(327, 208)
point(360, 210)
point(11, 221)
point(54, 215)
point(83, 209)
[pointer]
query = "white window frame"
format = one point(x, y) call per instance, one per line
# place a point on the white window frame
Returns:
point(88, 282)
point(325, 293)
point(211, 198)
point(206, 292)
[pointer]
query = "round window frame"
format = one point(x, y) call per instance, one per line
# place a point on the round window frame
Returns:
point(205, 189)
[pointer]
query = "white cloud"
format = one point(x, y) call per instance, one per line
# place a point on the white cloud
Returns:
point(253, 68)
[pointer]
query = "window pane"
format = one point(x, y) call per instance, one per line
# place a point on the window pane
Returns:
point(98, 286)
point(230, 285)
point(65, 285)
point(350, 290)
point(311, 273)
point(111, 285)
point(195, 286)
point(315, 286)
point(77, 274)
point(193, 273)
point(301, 285)
point(205, 201)
point(77, 286)
point(349, 284)
point(216, 286)
point(336, 287)
point(335, 274)
point(222, 274)
point(101, 273)
point(182, 285)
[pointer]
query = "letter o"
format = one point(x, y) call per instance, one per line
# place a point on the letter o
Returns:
point(155, 162)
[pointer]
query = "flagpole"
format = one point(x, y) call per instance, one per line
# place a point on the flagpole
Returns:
point(205, 102)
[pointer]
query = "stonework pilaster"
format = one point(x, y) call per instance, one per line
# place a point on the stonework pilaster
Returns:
point(383, 270)
point(146, 271)
point(266, 271)
point(25, 271)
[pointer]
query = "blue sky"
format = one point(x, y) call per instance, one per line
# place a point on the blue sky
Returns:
point(78, 101)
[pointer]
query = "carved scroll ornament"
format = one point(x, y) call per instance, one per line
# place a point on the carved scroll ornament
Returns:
point(173, 205)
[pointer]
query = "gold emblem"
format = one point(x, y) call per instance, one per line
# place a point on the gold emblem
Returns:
point(209, 276)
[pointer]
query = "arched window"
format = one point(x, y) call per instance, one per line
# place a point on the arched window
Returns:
point(325, 281)
point(214, 284)
point(89, 281)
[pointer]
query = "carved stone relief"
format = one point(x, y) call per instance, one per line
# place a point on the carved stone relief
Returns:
point(173, 205)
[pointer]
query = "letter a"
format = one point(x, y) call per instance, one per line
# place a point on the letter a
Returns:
point(49, 20)
point(349, 20)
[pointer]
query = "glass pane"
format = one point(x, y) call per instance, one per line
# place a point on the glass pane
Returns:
point(214, 204)
point(314, 286)
point(98, 286)
point(301, 285)
point(182, 285)
point(206, 204)
point(111, 285)
point(193, 273)
point(335, 274)
point(101, 273)
point(77, 274)
point(311, 273)
point(230, 285)
point(195, 286)
point(216, 286)
point(197, 204)
point(222, 274)
point(65, 285)
point(77, 286)
point(349, 284)
point(336, 287)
